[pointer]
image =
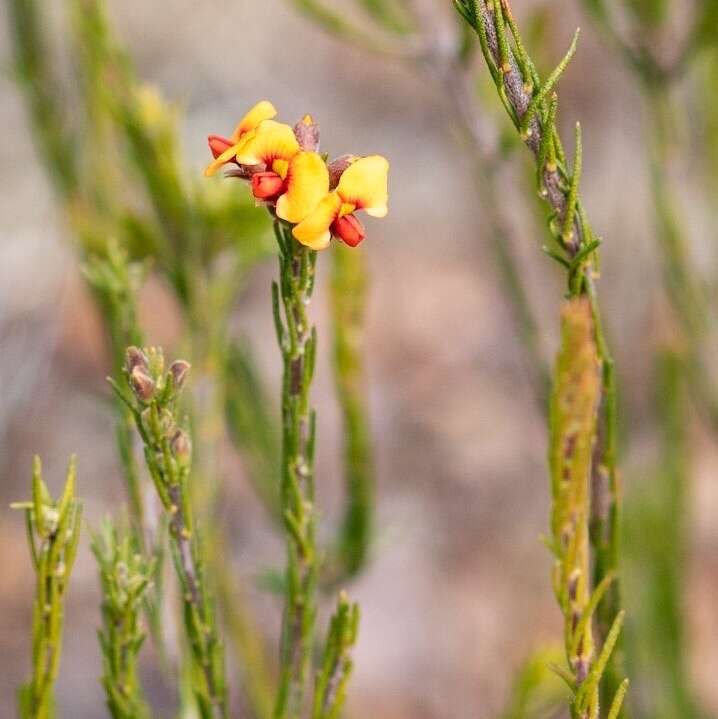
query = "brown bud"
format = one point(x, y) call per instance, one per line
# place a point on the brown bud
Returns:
point(142, 384)
point(135, 357)
point(181, 446)
point(307, 133)
point(179, 370)
point(336, 169)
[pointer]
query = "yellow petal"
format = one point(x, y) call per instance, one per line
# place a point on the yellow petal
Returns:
point(230, 153)
point(364, 184)
point(307, 184)
point(281, 167)
point(263, 110)
point(220, 160)
point(269, 142)
point(313, 230)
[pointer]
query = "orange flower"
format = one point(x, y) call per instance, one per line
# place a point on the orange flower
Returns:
point(362, 186)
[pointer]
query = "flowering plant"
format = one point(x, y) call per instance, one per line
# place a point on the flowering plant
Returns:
point(296, 183)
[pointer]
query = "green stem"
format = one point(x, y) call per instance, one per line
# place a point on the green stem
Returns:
point(53, 533)
point(168, 458)
point(297, 340)
point(532, 109)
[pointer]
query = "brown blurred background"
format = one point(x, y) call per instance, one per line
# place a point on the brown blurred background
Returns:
point(458, 591)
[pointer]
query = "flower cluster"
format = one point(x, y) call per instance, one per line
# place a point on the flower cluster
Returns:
point(288, 174)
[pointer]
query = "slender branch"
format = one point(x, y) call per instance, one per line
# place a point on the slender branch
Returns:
point(297, 341)
point(53, 528)
point(333, 677)
point(168, 458)
point(125, 577)
point(532, 107)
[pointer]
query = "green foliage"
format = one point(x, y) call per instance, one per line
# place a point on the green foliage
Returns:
point(53, 529)
point(133, 209)
point(136, 210)
point(333, 677)
point(125, 576)
point(153, 402)
point(532, 106)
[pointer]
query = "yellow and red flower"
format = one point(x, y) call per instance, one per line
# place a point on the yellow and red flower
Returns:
point(362, 186)
point(286, 172)
point(296, 179)
point(279, 170)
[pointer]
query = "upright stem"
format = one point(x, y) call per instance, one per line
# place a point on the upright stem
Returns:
point(168, 458)
point(53, 530)
point(297, 341)
point(532, 106)
point(200, 622)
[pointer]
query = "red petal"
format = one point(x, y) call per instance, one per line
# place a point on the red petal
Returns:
point(349, 230)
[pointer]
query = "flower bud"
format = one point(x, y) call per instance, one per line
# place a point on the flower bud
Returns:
point(142, 384)
point(336, 169)
point(179, 370)
point(349, 230)
point(218, 144)
point(307, 133)
point(266, 185)
point(181, 446)
point(135, 357)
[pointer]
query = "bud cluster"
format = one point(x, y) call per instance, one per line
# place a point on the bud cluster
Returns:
point(147, 378)
point(153, 400)
point(155, 391)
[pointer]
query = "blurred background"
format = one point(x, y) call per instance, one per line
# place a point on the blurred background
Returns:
point(456, 594)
